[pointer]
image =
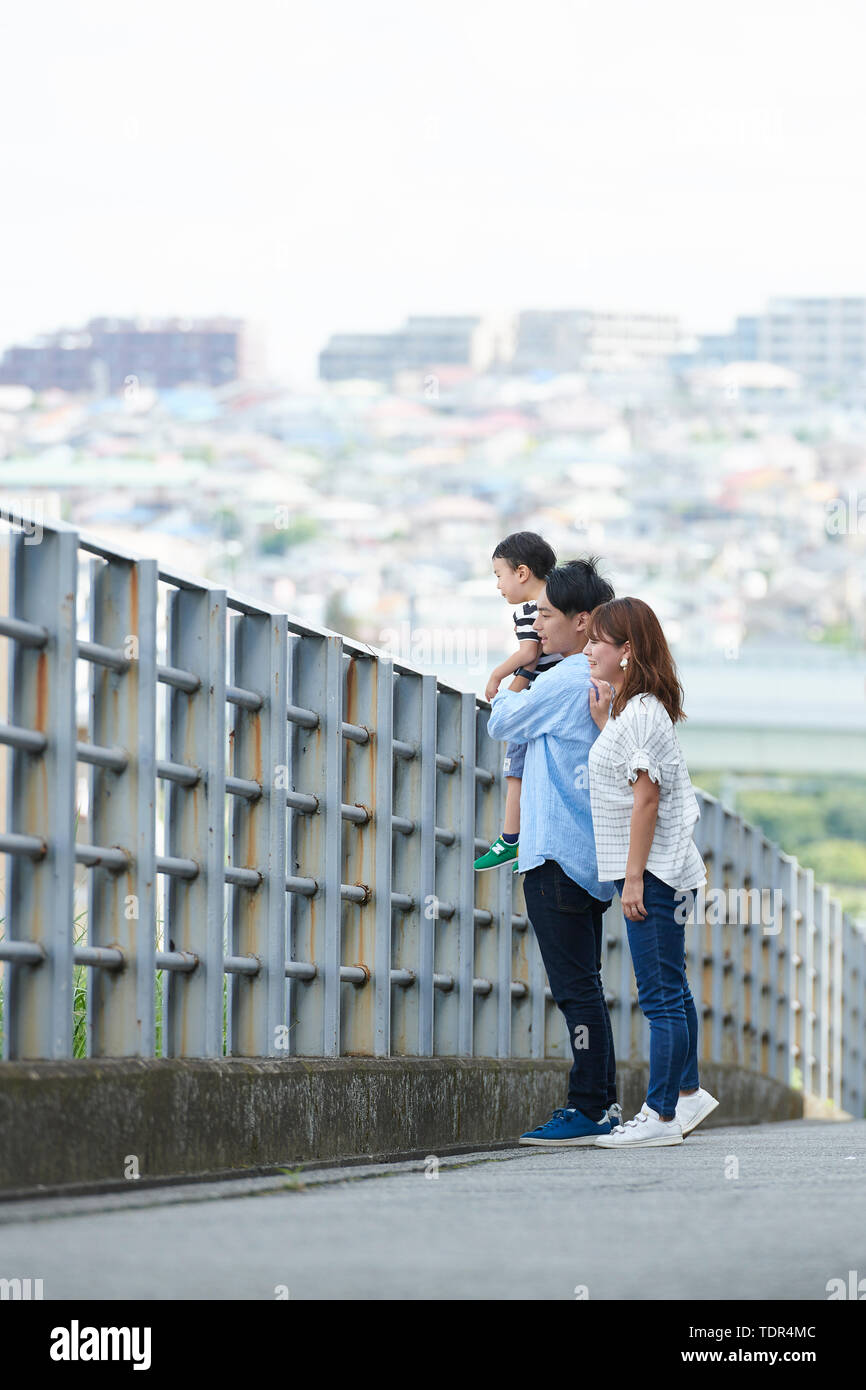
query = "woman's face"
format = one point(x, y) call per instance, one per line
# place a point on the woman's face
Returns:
point(604, 657)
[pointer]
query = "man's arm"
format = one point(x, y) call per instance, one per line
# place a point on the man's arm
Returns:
point(550, 705)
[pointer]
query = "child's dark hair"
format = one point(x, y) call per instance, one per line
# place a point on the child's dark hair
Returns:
point(526, 548)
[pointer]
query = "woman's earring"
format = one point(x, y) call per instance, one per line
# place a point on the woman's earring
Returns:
point(624, 663)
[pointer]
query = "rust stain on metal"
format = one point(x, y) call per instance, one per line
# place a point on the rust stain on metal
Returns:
point(41, 691)
point(133, 598)
point(257, 748)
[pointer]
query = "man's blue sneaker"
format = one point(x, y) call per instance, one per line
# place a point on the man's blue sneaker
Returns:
point(566, 1128)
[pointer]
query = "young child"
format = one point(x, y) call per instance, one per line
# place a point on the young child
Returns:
point(521, 564)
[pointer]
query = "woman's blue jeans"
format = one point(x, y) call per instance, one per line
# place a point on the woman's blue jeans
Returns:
point(658, 952)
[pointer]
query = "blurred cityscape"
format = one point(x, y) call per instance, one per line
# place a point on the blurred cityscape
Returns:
point(722, 478)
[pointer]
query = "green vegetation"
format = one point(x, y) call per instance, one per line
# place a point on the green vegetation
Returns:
point(280, 539)
point(226, 524)
point(821, 820)
point(79, 997)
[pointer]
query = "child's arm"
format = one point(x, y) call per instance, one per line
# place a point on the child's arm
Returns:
point(526, 655)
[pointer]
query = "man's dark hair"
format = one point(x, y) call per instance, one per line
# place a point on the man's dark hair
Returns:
point(577, 587)
point(526, 548)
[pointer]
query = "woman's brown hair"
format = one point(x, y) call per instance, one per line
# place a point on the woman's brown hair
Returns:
point(651, 669)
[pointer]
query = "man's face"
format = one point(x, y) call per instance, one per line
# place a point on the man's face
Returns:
point(558, 633)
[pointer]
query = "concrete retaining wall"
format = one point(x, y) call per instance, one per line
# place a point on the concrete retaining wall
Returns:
point(74, 1126)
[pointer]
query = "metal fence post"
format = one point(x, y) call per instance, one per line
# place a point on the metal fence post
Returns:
point(41, 794)
point(122, 902)
point(414, 861)
point(195, 821)
point(367, 795)
point(491, 1024)
point(315, 870)
point(258, 832)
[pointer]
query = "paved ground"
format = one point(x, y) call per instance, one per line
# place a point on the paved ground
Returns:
point(517, 1224)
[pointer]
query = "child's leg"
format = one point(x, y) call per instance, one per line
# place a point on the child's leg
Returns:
point(511, 825)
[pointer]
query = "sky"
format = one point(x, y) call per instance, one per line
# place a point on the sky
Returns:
point(333, 167)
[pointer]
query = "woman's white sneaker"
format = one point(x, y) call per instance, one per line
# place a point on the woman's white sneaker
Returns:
point(692, 1109)
point(645, 1131)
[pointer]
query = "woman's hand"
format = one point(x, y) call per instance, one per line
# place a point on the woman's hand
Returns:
point(599, 701)
point(632, 899)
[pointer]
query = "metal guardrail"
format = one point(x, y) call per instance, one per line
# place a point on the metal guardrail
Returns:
point(283, 809)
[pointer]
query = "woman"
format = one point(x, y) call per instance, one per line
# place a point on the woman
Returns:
point(644, 812)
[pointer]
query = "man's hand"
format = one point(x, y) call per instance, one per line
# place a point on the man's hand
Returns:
point(632, 899)
point(599, 701)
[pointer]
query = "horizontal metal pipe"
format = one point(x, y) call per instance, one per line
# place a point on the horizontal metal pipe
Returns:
point(403, 825)
point(519, 922)
point(28, 634)
point(354, 974)
point(485, 777)
point(303, 802)
point(445, 910)
point(242, 965)
point(176, 868)
point(178, 772)
point(31, 845)
point(306, 718)
point(183, 962)
point(300, 970)
point(117, 759)
point(401, 749)
point(443, 982)
point(31, 740)
point(354, 892)
point(247, 699)
point(242, 786)
point(108, 957)
point(404, 978)
point(307, 887)
point(446, 764)
point(404, 902)
point(358, 815)
point(519, 990)
point(178, 678)
point(482, 916)
point(102, 856)
point(482, 986)
point(244, 878)
point(481, 845)
point(112, 657)
point(23, 952)
point(356, 733)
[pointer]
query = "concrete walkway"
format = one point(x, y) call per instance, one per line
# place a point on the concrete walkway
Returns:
point(766, 1212)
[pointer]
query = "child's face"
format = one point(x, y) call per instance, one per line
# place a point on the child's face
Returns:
point(508, 580)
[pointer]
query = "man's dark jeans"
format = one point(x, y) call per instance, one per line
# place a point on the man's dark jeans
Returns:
point(567, 922)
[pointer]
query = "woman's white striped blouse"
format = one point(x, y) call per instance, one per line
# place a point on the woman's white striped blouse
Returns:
point(643, 736)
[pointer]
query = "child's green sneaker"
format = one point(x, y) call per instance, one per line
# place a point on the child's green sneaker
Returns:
point(498, 854)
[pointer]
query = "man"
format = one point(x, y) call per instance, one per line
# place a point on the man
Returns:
point(564, 898)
